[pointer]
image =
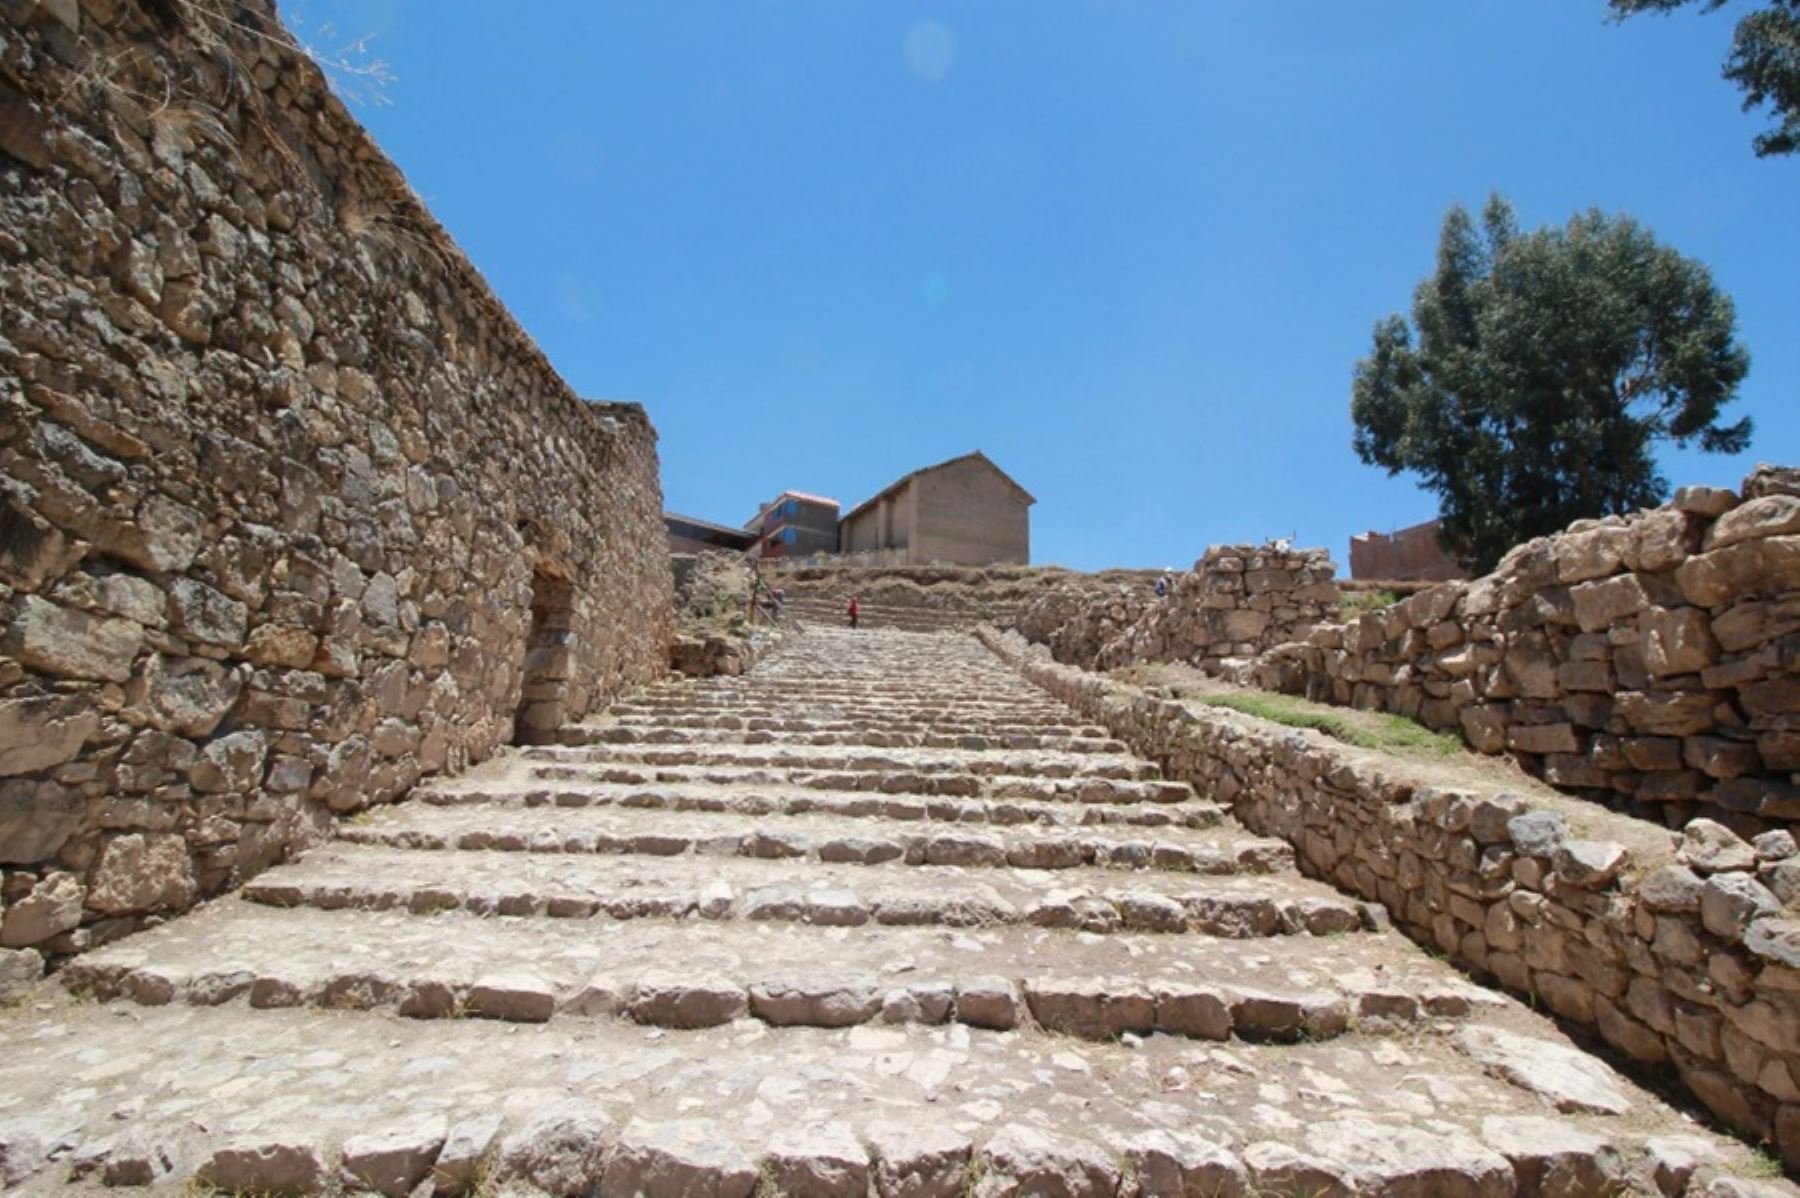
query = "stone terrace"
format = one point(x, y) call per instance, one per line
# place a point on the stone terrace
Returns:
point(878, 917)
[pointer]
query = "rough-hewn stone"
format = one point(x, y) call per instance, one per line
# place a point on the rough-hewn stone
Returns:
point(1644, 662)
point(1670, 948)
point(294, 512)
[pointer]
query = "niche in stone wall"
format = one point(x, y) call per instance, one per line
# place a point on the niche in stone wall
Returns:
point(549, 658)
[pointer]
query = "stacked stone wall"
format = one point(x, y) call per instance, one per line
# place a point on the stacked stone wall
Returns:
point(1652, 659)
point(1079, 618)
point(281, 482)
point(929, 598)
point(1237, 601)
point(1682, 952)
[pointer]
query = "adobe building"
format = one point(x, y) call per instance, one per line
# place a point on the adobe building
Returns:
point(966, 511)
point(795, 524)
point(1409, 555)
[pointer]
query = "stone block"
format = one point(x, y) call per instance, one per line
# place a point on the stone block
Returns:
point(1735, 573)
point(1711, 847)
point(53, 907)
point(393, 1163)
point(1676, 641)
point(207, 615)
point(38, 733)
point(265, 1166)
point(1729, 902)
point(561, 1150)
point(1542, 738)
point(1766, 516)
point(142, 872)
point(1683, 713)
point(1602, 603)
point(66, 643)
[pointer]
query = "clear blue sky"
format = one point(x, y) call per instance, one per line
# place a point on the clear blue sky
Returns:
point(1131, 250)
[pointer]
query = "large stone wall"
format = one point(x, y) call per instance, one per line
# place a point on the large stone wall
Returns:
point(1652, 659)
point(292, 512)
point(1677, 951)
point(1237, 601)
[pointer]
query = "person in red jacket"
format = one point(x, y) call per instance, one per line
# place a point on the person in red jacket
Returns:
point(853, 611)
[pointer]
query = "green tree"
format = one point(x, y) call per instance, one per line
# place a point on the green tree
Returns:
point(1764, 62)
point(1539, 371)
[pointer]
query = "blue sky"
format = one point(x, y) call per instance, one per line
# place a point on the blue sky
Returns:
point(1129, 249)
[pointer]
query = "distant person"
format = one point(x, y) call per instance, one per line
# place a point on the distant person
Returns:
point(853, 611)
point(1162, 586)
point(777, 602)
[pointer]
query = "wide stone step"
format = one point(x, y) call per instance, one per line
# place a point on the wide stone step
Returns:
point(951, 676)
point(820, 837)
point(578, 886)
point(676, 975)
point(935, 784)
point(946, 727)
point(868, 736)
point(781, 800)
point(829, 614)
point(232, 1099)
point(950, 683)
point(982, 763)
point(1013, 712)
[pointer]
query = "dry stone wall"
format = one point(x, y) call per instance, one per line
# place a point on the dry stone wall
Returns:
point(929, 598)
point(1680, 951)
point(1653, 658)
point(283, 488)
point(1237, 601)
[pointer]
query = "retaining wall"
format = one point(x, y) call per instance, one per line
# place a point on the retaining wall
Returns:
point(1676, 950)
point(292, 512)
point(1237, 601)
point(1652, 658)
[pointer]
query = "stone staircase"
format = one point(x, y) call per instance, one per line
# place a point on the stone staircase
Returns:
point(877, 918)
point(815, 610)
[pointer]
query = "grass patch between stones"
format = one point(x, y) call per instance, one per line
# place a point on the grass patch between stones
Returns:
point(1367, 730)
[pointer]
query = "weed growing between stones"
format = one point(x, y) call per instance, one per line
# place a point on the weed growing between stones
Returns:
point(1762, 1165)
point(1358, 602)
point(485, 1182)
point(978, 1167)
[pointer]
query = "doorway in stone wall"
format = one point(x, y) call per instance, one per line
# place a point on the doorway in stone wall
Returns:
point(549, 659)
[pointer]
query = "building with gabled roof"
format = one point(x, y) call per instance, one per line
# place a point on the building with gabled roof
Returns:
point(966, 511)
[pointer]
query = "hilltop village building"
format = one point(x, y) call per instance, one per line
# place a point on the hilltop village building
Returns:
point(795, 524)
point(1408, 555)
point(965, 511)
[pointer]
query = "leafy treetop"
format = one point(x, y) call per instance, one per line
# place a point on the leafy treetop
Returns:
point(1764, 62)
point(1539, 371)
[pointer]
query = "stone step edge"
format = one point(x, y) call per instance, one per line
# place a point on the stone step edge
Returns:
point(1197, 813)
point(859, 760)
point(816, 706)
point(662, 735)
point(1085, 1008)
point(614, 718)
point(688, 697)
point(1229, 917)
point(575, 1147)
point(924, 851)
point(937, 785)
